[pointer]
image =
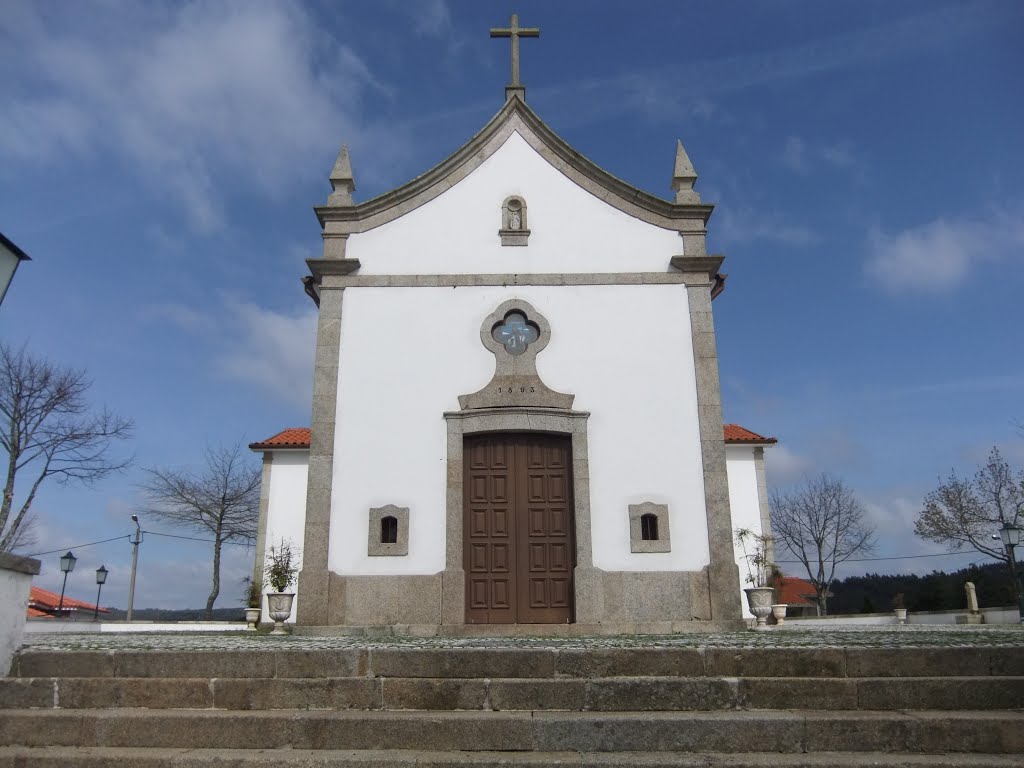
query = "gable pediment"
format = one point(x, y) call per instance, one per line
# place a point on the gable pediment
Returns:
point(515, 117)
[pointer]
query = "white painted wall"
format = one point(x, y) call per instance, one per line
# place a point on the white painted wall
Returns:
point(571, 230)
point(624, 351)
point(286, 513)
point(743, 502)
point(14, 590)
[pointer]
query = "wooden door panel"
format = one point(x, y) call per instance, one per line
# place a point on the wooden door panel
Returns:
point(517, 527)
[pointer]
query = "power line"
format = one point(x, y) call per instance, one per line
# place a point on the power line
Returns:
point(193, 538)
point(898, 557)
point(128, 536)
point(78, 546)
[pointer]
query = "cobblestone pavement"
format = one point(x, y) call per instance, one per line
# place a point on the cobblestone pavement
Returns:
point(924, 636)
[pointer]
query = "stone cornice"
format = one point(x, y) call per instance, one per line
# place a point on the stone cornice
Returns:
point(320, 267)
point(514, 116)
point(708, 265)
point(690, 276)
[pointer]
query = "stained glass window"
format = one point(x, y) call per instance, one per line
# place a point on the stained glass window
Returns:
point(515, 333)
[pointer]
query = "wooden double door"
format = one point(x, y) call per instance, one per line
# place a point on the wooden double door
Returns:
point(518, 538)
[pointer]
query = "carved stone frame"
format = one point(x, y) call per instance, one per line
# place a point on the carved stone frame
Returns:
point(637, 543)
point(589, 600)
point(374, 546)
point(515, 381)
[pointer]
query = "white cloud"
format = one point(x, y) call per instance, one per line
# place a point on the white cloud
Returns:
point(803, 157)
point(193, 97)
point(740, 225)
point(431, 17)
point(273, 350)
point(794, 155)
point(783, 467)
point(938, 256)
point(255, 346)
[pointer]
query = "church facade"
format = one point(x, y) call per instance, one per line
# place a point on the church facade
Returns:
point(516, 408)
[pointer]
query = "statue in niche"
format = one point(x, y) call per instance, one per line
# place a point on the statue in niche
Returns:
point(514, 227)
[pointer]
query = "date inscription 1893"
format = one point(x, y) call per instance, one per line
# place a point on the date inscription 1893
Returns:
point(512, 390)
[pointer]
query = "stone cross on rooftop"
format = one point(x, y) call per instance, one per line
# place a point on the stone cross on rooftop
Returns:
point(514, 31)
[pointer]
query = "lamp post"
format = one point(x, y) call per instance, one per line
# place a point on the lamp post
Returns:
point(10, 257)
point(67, 564)
point(1010, 534)
point(101, 579)
point(135, 539)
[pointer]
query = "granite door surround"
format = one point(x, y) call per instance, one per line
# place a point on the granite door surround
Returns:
point(513, 419)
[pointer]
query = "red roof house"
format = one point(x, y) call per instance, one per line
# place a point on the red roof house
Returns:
point(298, 437)
point(43, 604)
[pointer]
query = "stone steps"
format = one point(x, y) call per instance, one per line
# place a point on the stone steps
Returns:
point(627, 694)
point(727, 732)
point(900, 662)
point(473, 706)
point(102, 757)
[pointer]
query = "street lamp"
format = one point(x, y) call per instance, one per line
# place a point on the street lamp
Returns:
point(101, 579)
point(1010, 534)
point(10, 257)
point(67, 564)
point(135, 539)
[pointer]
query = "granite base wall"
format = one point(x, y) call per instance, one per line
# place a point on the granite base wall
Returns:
point(621, 598)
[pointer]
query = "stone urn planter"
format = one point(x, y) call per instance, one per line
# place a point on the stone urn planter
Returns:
point(279, 606)
point(901, 615)
point(779, 613)
point(279, 573)
point(252, 617)
point(759, 601)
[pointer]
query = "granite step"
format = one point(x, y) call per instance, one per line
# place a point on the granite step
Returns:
point(793, 731)
point(570, 694)
point(527, 662)
point(102, 757)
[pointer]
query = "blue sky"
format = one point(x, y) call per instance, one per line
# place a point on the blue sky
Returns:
point(159, 163)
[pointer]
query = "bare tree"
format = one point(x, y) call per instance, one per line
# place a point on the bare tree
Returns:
point(223, 500)
point(49, 430)
point(965, 512)
point(822, 524)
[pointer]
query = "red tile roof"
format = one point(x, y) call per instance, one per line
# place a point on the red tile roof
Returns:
point(298, 437)
point(736, 434)
point(293, 437)
point(794, 591)
point(44, 600)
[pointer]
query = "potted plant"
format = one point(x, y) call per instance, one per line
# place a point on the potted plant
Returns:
point(899, 608)
point(760, 572)
point(279, 575)
point(252, 599)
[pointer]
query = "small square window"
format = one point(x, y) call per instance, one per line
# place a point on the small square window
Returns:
point(648, 528)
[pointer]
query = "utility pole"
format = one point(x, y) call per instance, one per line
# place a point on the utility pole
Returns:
point(135, 539)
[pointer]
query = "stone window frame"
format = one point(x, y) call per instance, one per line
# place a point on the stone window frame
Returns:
point(637, 543)
point(508, 235)
point(374, 546)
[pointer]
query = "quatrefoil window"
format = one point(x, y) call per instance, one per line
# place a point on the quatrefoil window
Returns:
point(515, 332)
